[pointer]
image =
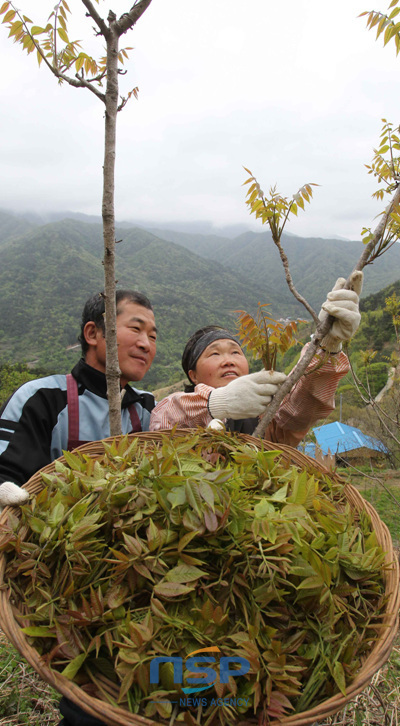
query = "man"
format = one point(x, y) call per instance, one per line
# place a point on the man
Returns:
point(49, 415)
point(52, 414)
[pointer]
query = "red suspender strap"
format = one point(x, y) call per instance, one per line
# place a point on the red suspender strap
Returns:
point(135, 420)
point(73, 412)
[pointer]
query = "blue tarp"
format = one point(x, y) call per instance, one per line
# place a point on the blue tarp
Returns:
point(337, 438)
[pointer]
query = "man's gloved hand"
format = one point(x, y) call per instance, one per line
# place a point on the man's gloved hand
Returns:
point(12, 495)
point(245, 397)
point(343, 306)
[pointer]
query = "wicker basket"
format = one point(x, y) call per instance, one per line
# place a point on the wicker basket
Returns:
point(115, 716)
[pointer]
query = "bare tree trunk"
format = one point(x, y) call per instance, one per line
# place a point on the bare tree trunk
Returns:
point(111, 103)
point(61, 69)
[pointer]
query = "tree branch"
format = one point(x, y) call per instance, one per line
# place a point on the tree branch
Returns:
point(324, 326)
point(377, 479)
point(289, 280)
point(380, 413)
point(78, 82)
point(378, 234)
point(83, 83)
point(286, 387)
point(92, 12)
point(127, 20)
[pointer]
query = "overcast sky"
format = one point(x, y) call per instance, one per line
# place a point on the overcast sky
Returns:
point(294, 90)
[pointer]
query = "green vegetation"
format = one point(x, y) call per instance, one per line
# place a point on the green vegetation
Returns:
point(25, 698)
point(382, 489)
point(232, 516)
point(47, 274)
point(384, 505)
point(255, 257)
point(13, 376)
point(49, 271)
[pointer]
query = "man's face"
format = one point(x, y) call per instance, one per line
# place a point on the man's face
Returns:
point(136, 338)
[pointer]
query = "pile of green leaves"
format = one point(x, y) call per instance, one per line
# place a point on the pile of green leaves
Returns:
point(201, 540)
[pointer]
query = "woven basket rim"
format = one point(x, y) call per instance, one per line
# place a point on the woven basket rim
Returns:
point(115, 716)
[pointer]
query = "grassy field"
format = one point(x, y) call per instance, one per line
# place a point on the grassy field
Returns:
point(24, 697)
point(383, 491)
point(26, 700)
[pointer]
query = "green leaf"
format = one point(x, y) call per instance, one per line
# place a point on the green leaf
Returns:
point(171, 589)
point(15, 28)
point(117, 596)
point(56, 514)
point(61, 32)
point(185, 540)
point(295, 511)
point(79, 62)
point(73, 666)
point(177, 496)
point(78, 511)
point(74, 462)
point(193, 496)
point(9, 16)
point(263, 509)
point(154, 538)
point(311, 583)
point(211, 521)
point(37, 525)
point(339, 676)
point(207, 493)
point(184, 573)
point(280, 494)
point(39, 631)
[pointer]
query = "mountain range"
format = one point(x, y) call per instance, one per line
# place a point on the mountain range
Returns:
point(48, 270)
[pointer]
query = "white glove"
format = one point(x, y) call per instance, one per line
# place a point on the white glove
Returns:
point(343, 306)
point(245, 397)
point(12, 495)
point(216, 425)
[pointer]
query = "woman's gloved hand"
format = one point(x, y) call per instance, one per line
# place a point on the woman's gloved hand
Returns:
point(343, 306)
point(245, 397)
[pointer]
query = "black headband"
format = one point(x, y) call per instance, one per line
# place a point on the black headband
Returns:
point(203, 343)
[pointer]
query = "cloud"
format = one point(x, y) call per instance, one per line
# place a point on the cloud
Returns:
point(295, 91)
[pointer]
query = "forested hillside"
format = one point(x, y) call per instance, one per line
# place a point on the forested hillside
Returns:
point(48, 271)
point(47, 274)
point(315, 263)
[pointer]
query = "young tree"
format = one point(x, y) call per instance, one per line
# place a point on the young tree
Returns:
point(68, 63)
point(274, 209)
point(381, 413)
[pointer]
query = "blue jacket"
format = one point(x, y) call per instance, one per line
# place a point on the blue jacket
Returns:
point(34, 421)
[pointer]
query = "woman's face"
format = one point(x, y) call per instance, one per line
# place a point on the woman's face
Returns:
point(219, 364)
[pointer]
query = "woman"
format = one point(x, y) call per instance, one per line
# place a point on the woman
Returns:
point(213, 359)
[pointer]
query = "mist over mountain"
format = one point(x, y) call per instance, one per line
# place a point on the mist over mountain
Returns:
point(189, 227)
